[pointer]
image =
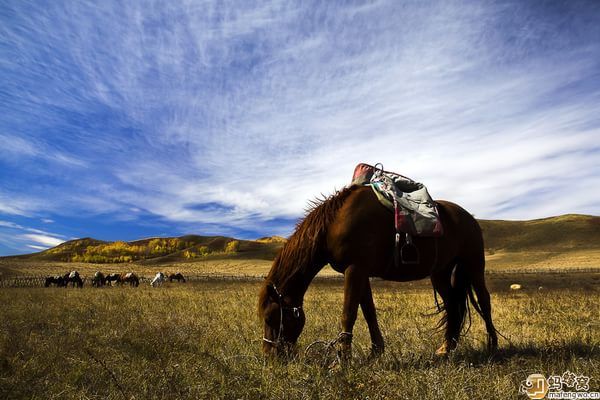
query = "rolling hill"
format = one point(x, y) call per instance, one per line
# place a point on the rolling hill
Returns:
point(157, 250)
point(570, 240)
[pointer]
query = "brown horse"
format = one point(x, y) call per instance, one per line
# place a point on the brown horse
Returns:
point(110, 278)
point(177, 277)
point(130, 278)
point(99, 279)
point(73, 278)
point(354, 233)
point(57, 280)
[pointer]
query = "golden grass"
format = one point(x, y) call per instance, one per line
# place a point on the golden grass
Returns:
point(224, 266)
point(202, 341)
point(539, 260)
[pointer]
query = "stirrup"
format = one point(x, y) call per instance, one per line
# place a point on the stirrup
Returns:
point(409, 253)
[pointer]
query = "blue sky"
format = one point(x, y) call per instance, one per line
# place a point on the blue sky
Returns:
point(121, 121)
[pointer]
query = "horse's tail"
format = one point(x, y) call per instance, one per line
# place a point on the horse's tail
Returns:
point(460, 297)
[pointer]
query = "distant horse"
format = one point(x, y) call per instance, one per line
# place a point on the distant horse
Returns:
point(99, 279)
point(73, 278)
point(176, 277)
point(158, 280)
point(57, 280)
point(130, 278)
point(110, 278)
point(353, 232)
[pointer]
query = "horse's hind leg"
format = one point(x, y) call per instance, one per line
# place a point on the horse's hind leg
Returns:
point(483, 298)
point(451, 285)
point(354, 285)
point(368, 309)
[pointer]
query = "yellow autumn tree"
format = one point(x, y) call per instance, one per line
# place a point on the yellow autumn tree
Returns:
point(232, 247)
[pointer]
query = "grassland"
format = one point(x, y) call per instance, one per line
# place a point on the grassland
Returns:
point(203, 341)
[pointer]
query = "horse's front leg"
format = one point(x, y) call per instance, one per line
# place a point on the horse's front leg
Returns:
point(354, 286)
point(368, 309)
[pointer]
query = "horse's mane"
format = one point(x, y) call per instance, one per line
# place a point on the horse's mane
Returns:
point(301, 249)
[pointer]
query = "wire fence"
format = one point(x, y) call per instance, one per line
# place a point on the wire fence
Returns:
point(40, 280)
point(542, 270)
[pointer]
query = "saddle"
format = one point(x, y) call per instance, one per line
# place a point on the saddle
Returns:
point(415, 212)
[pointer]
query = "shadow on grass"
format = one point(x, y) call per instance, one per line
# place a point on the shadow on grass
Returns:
point(553, 352)
point(477, 358)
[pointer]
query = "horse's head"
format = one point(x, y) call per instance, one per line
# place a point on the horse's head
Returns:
point(283, 321)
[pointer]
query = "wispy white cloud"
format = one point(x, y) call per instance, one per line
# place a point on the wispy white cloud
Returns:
point(17, 204)
point(18, 237)
point(257, 108)
point(35, 247)
point(15, 226)
point(16, 148)
point(45, 240)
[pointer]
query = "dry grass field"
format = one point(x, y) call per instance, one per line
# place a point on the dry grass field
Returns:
point(231, 266)
point(203, 341)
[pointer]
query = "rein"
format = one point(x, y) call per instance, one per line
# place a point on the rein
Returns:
point(295, 310)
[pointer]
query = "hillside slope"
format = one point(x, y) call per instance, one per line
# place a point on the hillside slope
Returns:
point(570, 240)
point(156, 250)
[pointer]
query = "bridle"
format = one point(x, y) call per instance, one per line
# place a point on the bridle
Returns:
point(296, 313)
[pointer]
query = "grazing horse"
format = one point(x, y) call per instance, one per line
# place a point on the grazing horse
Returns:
point(55, 280)
point(158, 280)
point(110, 278)
point(130, 278)
point(353, 232)
point(73, 278)
point(99, 279)
point(176, 277)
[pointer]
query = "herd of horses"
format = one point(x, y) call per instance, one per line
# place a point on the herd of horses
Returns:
point(100, 279)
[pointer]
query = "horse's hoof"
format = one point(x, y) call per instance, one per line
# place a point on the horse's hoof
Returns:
point(442, 351)
point(445, 349)
point(376, 352)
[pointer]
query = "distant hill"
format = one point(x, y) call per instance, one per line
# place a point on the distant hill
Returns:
point(272, 239)
point(157, 250)
point(567, 232)
point(564, 241)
